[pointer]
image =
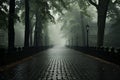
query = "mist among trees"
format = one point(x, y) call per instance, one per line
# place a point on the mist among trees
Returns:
point(30, 23)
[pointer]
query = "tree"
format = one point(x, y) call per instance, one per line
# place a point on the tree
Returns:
point(3, 15)
point(43, 16)
point(114, 12)
point(11, 33)
point(114, 16)
point(38, 31)
point(27, 28)
point(74, 26)
point(41, 11)
point(102, 8)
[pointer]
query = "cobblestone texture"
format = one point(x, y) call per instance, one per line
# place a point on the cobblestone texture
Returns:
point(62, 64)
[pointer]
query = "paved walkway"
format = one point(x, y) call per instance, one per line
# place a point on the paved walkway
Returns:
point(62, 64)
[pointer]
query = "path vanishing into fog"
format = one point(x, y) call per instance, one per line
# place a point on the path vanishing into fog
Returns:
point(60, 63)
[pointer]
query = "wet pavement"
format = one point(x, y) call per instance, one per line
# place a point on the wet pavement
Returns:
point(60, 63)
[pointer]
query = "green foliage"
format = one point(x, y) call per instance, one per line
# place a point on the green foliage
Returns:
point(58, 5)
point(42, 7)
point(3, 20)
point(114, 12)
point(73, 23)
point(3, 14)
point(83, 4)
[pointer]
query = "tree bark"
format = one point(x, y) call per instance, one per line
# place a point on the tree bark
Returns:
point(102, 13)
point(38, 31)
point(27, 29)
point(46, 37)
point(31, 34)
point(11, 33)
point(101, 29)
point(102, 8)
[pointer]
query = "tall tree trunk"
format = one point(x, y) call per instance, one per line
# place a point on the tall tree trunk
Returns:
point(101, 29)
point(102, 8)
point(31, 33)
point(46, 38)
point(11, 33)
point(40, 38)
point(102, 12)
point(30, 36)
point(27, 29)
point(35, 33)
point(38, 31)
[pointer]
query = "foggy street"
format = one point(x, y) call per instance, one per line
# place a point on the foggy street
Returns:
point(60, 63)
point(59, 39)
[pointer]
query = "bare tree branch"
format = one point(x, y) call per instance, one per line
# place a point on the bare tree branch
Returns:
point(94, 4)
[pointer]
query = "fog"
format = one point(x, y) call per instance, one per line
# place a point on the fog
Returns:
point(54, 29)
point(19, 34)
point(70, 25)
point(55, 33)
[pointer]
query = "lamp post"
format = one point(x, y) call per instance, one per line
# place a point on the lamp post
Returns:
point(87, 27)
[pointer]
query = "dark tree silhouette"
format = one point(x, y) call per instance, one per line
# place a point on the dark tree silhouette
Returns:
point(27, 30)
point(38, 30)
point(102, 8)
point(11, 33)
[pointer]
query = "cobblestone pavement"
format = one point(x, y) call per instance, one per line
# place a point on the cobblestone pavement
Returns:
point(62, 64)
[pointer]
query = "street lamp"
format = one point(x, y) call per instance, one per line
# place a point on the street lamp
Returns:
point(87, 27)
